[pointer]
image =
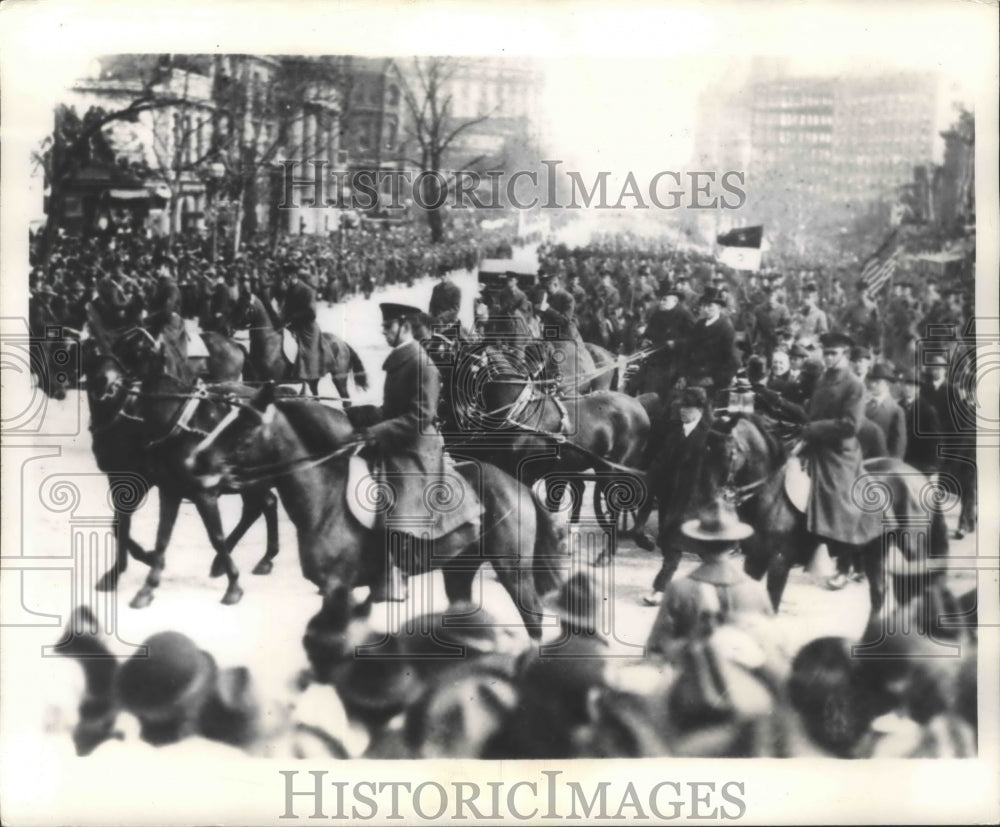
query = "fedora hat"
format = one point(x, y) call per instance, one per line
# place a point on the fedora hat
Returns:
point(716, 524)
point(883, 370)
point(835, 340)
point(382, 683)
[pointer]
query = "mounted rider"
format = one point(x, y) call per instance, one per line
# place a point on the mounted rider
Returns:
point(834, 416)
point(410, 450)
point(446, 304)
point(299, 316)
point(165, 323)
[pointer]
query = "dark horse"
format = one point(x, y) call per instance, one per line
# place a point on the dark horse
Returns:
point(746, 462)
point(602, 435)
point(268, 362)
point(303, 450)
point(136, 346)
point(142, 433)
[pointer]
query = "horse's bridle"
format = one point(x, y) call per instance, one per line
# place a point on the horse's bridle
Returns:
point(735, 494)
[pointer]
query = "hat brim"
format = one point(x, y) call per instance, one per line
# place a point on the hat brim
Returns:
point(737, 532)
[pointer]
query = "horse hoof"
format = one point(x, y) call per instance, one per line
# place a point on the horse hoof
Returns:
point(107, 583)
point(263, 567)
point(644, 541)
point(232, 597)
point(218, 568)
point(142, 599)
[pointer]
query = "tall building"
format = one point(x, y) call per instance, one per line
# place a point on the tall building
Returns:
point(819, 152)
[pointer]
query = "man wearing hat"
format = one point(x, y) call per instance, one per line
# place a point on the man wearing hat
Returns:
point(298, 313)
point(411, 451)
point(923, 428)
point(831, 445)
point(770, 316)
point(670, 475)
point(881, 408)
point(813, 321)
point(711, 360)
point(860, 319)
point(446, 298)
point(714, 535)
point(668, 329)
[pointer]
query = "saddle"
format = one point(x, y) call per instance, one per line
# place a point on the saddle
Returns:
point(289, 346)
point(370, 496)
point(798, 484)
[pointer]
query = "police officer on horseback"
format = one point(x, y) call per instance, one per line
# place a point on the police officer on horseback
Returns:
point(410, 450)
point(299, 315)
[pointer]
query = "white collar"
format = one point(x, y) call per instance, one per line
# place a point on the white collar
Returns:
point(689, 427)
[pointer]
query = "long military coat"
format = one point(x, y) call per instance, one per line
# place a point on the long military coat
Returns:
point(835, 413)
point(299, 313)
point(429, 499)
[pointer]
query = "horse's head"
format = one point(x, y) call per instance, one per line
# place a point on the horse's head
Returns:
point(488, 381)
point(139, 353)
point(739, 456)
point(245, 437)
point(241, 316)
point(107, 382)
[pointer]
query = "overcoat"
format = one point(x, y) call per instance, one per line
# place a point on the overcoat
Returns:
point(670, 476)
point(890, 418)
point(429, 497)
point(835, 413)
point(299, 313)
point(446, 301)
point(711, 353)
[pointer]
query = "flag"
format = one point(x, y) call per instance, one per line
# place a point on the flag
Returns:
point(880, 267)
point(741, 248)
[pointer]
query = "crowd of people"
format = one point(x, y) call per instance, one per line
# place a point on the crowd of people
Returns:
point(717, 680)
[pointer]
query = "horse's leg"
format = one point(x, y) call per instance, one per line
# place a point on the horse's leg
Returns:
point(109, 580)
point(515, 573)
point(253, 507)
point(777, 577)
point(208, 509)
point(874, 561)
point(607, 520)
point(169, 506)
point(271, 520)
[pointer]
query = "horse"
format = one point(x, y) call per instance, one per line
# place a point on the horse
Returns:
point(142, 431)
point(136, 347)
point(746, 462)
point(303, 450)
point(267, 359)
point(602, 435)
point(605, 376)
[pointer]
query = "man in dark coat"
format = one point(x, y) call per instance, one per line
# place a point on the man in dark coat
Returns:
point(299, 314)
point(106, 313)
point(769, 317)
point(860, 319)
point(669, 328)
point(516, 310)
point(882, 409)
point(446, 299)
point(923, 428)
point(220, 308)
point(568, 359)
point(670, 476)
point(411, 449)
point(831, 445)
point(711, 359)
point(957, 420)
point(164, 321)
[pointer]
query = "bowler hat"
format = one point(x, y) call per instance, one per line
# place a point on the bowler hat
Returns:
point(172, 670)
point(379, 678)
point(883, 370)
point(576, 602)
point(717, 523)
point(835, 340)
point(392, 311)
point(669, 289)
point(796, 351)
point(693, 397)
point(859, 352)
point(713, 296)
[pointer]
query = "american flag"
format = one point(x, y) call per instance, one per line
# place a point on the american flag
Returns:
point(880, 267)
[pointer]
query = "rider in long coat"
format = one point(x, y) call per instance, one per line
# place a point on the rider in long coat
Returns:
point(299, 314)
point(835, 413)
point(164, 321)
point(410, 445)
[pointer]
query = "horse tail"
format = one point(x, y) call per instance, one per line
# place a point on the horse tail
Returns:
point(358, 369)
point(550, 549)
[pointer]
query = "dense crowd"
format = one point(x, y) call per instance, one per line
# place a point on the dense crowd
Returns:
point(717, 681)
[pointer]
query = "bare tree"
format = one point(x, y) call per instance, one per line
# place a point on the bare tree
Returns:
point(433, 129)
